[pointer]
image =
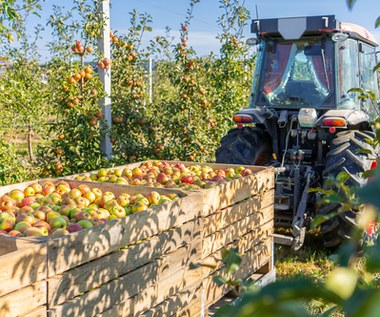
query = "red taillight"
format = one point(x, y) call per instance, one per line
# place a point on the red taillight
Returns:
point(242, 118)
point(334, 122)
point(240, 126)
point(373, 165)
point(332, 130)
point(326, 30)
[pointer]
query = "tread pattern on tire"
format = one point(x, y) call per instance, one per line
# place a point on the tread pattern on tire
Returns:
point(345, 155)
point(245, 146)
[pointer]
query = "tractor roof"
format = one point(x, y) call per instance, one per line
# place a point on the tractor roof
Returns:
point(293, 28)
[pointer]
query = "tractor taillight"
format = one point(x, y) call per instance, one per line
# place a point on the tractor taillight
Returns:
point(242, 118)
point(373, 165)
point(334, 122)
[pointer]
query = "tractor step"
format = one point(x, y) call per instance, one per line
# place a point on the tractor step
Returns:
point(283, 239)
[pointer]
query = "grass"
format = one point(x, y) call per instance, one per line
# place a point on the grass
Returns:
point(311, 261)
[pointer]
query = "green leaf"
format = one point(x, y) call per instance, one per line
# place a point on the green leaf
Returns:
point(332, 199)
point(377, 23)
point(359, 90)
point(231, 259)
point(376, 68)
point(351, 3)
point(219, 280)
point(319, 219)
point(342, 281)
point(365, 302)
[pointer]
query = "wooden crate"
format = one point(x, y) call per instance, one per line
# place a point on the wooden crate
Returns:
point(23, 290)
point(135, 262)
point(238, 213)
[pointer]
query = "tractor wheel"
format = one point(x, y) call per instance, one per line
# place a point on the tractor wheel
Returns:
point(345, 155)
point(247, 146)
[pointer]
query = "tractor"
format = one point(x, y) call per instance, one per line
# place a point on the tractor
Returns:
point(305, 119)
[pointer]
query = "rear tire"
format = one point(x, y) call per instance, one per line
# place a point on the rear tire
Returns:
point(345, 155)
point(247, 146)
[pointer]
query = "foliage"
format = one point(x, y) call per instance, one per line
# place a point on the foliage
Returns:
point(13, 16)
point(12, 170)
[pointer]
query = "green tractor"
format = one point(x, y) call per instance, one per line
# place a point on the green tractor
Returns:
point(305, 120)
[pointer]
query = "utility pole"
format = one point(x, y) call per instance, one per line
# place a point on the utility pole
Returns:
point(104, 46)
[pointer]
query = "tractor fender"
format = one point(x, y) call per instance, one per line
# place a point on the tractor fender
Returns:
point(262, 117)
point(353, 117)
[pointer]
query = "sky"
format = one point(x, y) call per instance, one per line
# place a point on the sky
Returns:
point(204, 28)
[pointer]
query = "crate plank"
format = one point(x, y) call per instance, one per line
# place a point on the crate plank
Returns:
point(38, 312)
point(252, 261)
point(99, 271)
point(262, 247)
point(180, 301)
point(111, 294)
point(116, 292)
point(224, 217)
point(232, 232)
point(22, 268)
point(83, 246)
point(23, 300)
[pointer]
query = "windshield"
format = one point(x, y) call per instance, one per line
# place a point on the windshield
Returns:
point(297, 74)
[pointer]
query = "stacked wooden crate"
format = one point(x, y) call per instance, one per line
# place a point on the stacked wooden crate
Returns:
point(238, 213)
point(125, 267)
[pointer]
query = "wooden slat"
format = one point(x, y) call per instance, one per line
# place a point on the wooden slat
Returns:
point(259, 239)
point(252, 261)
point(225, 217)
point(75, 249)
point(97, 272)
point(23, 300)
point(38, 312)
point(232, 232)
point(22, 268)
point(110, 294)
point(179, 302)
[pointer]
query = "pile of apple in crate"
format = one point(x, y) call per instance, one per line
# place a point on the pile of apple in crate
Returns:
point(121, 241)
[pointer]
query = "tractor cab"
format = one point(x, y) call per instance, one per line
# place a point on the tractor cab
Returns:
point(312, 62)
point(305, 118)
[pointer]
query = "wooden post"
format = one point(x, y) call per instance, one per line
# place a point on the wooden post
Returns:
point(104, 46)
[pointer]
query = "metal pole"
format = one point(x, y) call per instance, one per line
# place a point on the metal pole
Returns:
point(104, 46)
point(150, 80)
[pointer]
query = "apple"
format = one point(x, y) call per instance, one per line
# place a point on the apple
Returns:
point(123, 200)
point(6, 224)
point(138, 206)
point(65, 210)
point(103, 213)
point(82, 215)
point(127, 172)
point(102, 172)
point(85, 224)
point(47, 188)
point(8, 215)
point(52, 214)
point(17, 194)
point(153, 197)
point(84, 188)
point(22, 226)
point(98, 193)
point(26, 218)
point(42, 223)
point(75, 193)
point(57, 232)
point(74, 227)
point(121, 180)
point(6, 203)
point(73, 212)
point(163, 200)
point(82, 201)
point(29, 191)
point(37, 187)
point(90, 196)
point(36, 232)
point(162, 178)
point(245, 172)
point(58, 222)
point(118, 211)
point(15, 233)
